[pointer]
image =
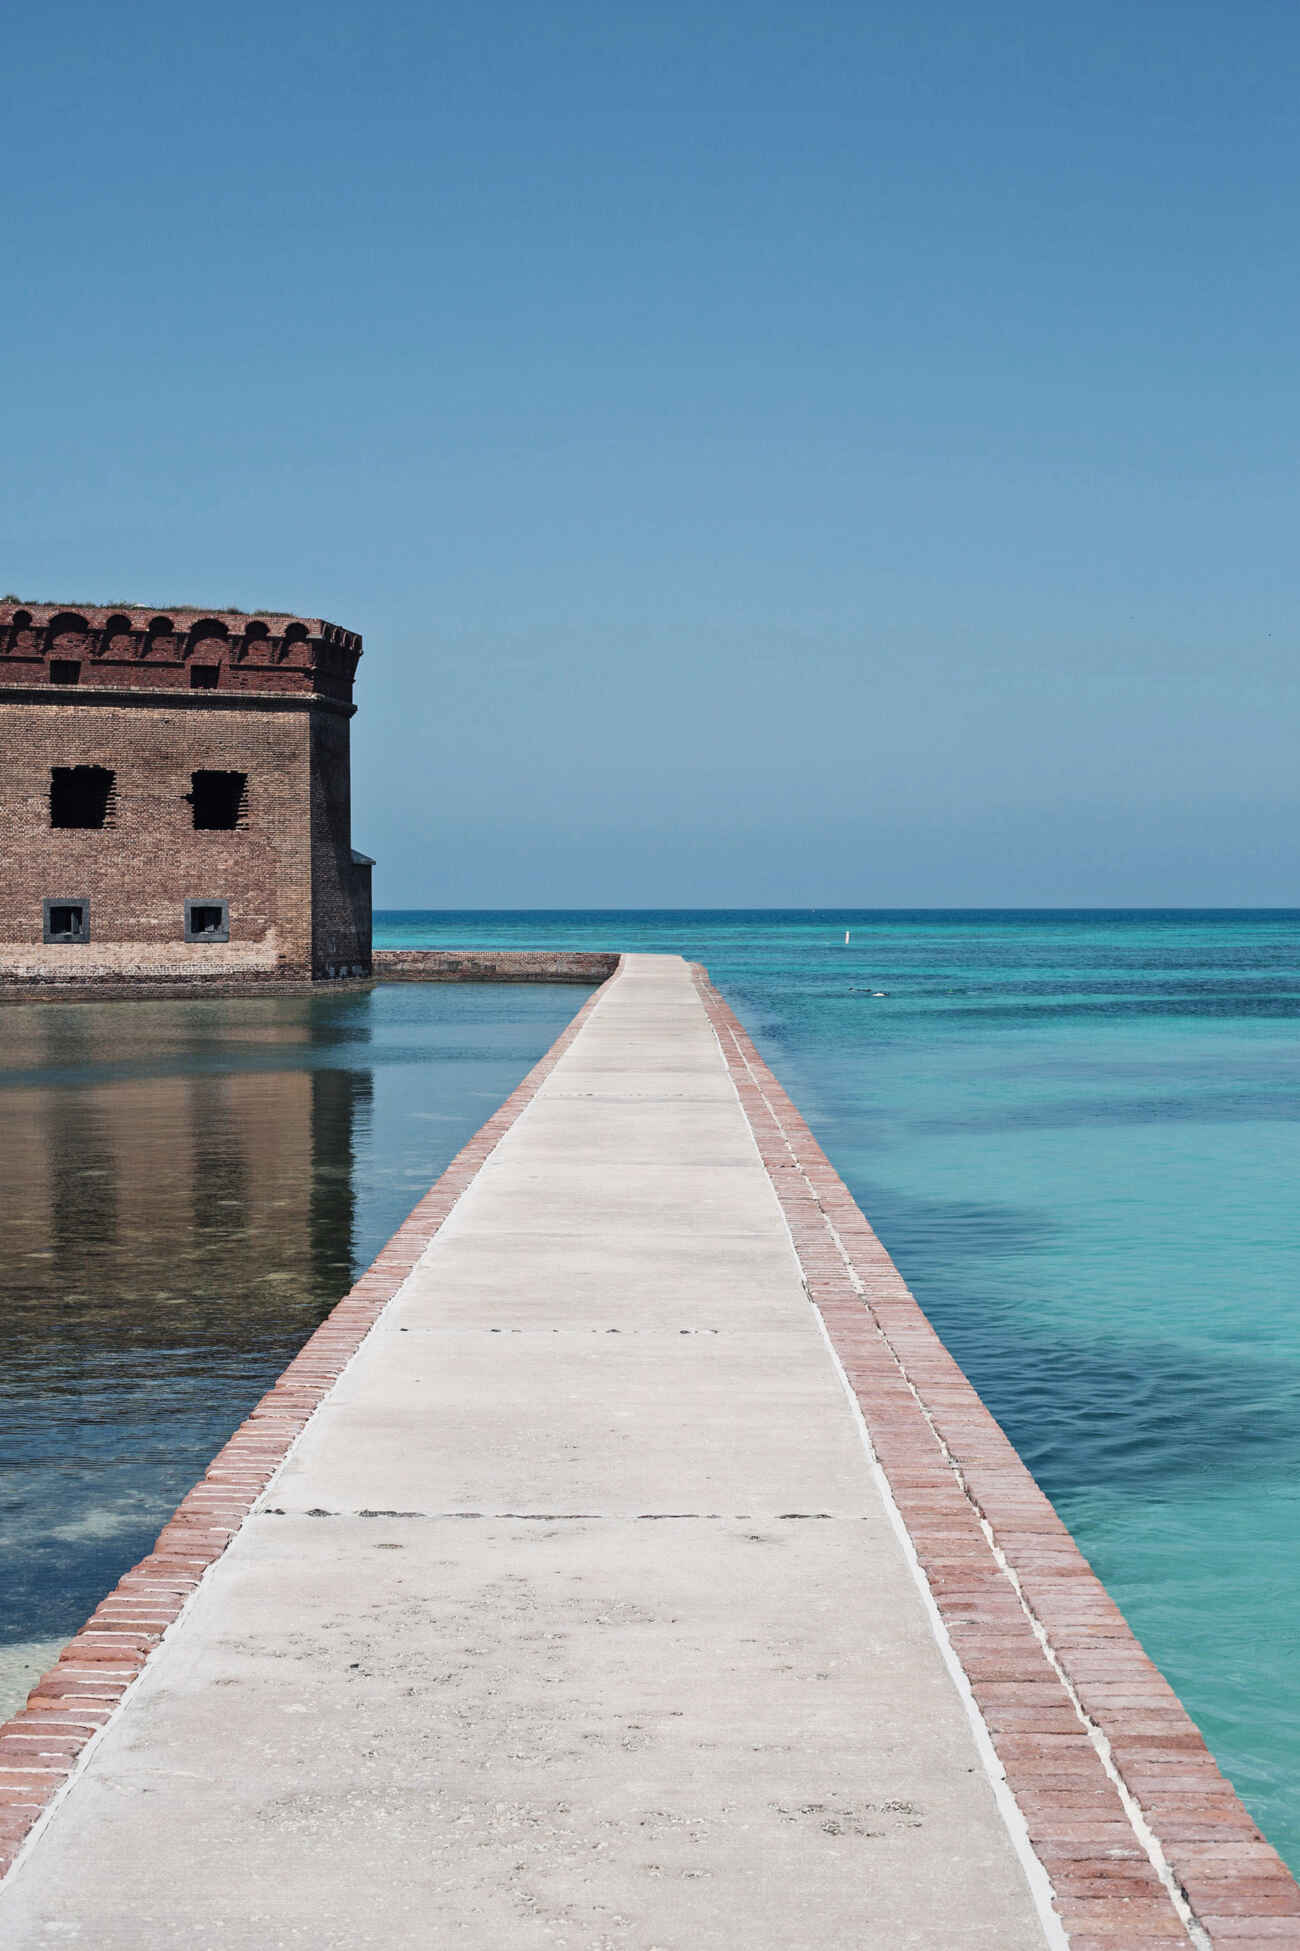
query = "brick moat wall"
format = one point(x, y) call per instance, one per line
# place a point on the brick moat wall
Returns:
point(493, 965)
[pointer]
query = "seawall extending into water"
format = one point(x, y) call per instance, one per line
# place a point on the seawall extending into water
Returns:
point(624, 1561)
point(492, 965)
point(586, 966)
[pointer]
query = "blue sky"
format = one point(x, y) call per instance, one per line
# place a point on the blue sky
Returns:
point(774, 455)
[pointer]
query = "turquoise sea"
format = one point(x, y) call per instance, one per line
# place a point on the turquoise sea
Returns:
point(1079, 1136)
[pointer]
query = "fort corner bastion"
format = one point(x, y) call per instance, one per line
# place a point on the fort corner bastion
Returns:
point(175, 790)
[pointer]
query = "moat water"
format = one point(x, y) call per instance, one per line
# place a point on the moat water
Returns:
point(1078, 1134)
point(187, 1189)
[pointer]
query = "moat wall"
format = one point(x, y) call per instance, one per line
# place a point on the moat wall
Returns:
point(492, 965)
point(579, 966)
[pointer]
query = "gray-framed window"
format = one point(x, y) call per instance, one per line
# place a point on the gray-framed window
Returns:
point(67, 919)
point(207, 921)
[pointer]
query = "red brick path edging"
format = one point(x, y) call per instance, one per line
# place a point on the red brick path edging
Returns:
point(1144, 1841)
point(42, 1746)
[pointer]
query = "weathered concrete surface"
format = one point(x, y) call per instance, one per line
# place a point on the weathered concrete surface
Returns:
point(576, 1618)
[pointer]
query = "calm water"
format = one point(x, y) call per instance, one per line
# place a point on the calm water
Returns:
point(1079, 1135)
point(187, 1189)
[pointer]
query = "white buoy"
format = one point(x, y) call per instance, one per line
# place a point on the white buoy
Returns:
point(846, 938)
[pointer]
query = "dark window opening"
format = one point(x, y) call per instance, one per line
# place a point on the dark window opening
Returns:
point(207, 921)
point(67, 921)
point(65, 670)
point(82, 795)
point(219, 799)
point(203, 677)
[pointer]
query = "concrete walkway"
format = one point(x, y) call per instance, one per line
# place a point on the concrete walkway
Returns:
point(576, 1617)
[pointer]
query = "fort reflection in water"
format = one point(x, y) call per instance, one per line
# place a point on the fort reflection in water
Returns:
point(221, 1193)
point(187, 1189)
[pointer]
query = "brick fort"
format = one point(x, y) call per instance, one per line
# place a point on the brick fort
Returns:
point(176, 796)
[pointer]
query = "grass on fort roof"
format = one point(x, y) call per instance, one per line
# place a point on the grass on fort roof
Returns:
point(124, 603)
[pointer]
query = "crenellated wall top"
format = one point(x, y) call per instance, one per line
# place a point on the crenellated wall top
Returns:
point(137, 648)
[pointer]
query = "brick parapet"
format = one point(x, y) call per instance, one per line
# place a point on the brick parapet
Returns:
point(49, 1741)
point(139, 650)
point(1143, 1839)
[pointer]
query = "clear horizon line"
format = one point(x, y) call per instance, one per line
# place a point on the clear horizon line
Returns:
point(1082, 907)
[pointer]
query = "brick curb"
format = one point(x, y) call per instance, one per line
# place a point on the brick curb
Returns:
point(44, 1744)
point(1143, 1839)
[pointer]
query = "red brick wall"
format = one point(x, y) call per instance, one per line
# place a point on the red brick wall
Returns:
point(145, 650)
point(138, 872)
point(298, 905)
point(340, 892)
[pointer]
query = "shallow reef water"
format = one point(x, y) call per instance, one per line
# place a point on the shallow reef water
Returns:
point(1078, 1133)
